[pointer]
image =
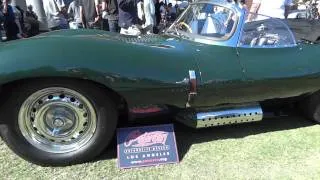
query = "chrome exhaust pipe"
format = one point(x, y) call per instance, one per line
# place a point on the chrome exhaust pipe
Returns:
point(223, 115)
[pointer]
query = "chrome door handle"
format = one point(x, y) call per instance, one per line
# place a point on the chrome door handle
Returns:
point(184, 81)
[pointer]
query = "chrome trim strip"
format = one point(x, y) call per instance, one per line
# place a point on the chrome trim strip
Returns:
point(268, 47)
point(193, 82)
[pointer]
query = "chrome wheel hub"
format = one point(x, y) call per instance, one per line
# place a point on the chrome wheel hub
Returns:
point(58, 123)
point(57, 120)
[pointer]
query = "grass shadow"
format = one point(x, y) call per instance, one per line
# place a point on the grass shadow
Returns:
point(186, 136)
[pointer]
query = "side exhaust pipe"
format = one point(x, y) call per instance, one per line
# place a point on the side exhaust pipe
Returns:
point(219, 116)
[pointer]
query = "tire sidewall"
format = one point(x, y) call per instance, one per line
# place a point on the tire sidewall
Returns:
point(105, 124)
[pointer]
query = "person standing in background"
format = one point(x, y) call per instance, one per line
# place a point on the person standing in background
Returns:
point(54, 12)
point(172, 12)
point(128, 17)
point(318, 8)
point(149, 14)
point(272, 8)
point(1, 18)
point(248, 3)
point(243, 4)
point(110, 12)
point(163, 11)
point(10, 25)
point(1, 22)
point(62, 6)
point(157, 12)
point(74, 15)
point(90, 13)
point(141, 18)
point(30, 13)
point(146, 14)
point(19, 13)
point(32, 24)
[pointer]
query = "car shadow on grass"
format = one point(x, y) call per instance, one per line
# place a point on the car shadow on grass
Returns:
point(186, 136)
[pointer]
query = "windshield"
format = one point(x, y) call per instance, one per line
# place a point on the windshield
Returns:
point(206, 20)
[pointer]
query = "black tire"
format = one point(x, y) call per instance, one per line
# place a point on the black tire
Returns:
point(106, 123)
point(311, 107)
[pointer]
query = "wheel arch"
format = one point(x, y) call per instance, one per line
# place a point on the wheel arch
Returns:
point(117, 98)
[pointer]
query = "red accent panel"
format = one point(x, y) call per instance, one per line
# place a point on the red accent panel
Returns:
point(144, 110)
point(193, 86)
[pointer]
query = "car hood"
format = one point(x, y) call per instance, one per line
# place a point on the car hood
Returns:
point(153, 40)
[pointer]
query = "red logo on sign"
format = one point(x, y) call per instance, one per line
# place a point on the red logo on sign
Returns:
point(138, 139)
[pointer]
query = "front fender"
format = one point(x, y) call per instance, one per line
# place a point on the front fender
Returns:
point(139, 72)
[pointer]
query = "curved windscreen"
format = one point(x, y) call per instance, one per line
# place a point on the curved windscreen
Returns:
point(207, 20)
point(266, 32)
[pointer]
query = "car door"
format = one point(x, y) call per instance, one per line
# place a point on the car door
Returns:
point(272, 60)
point(221, 75)
point(214, 28)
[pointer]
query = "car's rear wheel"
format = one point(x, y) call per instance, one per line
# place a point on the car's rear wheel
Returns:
point(59, 122)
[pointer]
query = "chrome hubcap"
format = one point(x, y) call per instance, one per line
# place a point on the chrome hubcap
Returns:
point(58, 123)
point(57, 120)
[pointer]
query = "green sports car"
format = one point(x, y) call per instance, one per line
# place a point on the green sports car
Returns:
point(64, 93)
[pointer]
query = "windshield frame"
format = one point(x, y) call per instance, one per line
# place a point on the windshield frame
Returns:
point(206, 39)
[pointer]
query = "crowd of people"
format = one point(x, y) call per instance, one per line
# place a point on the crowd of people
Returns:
point(16, 22)
point(130, 17)
point(124, 16)
point(312, 8)
point(281, 8)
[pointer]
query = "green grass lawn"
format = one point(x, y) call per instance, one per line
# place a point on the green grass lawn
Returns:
point(280, 148)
